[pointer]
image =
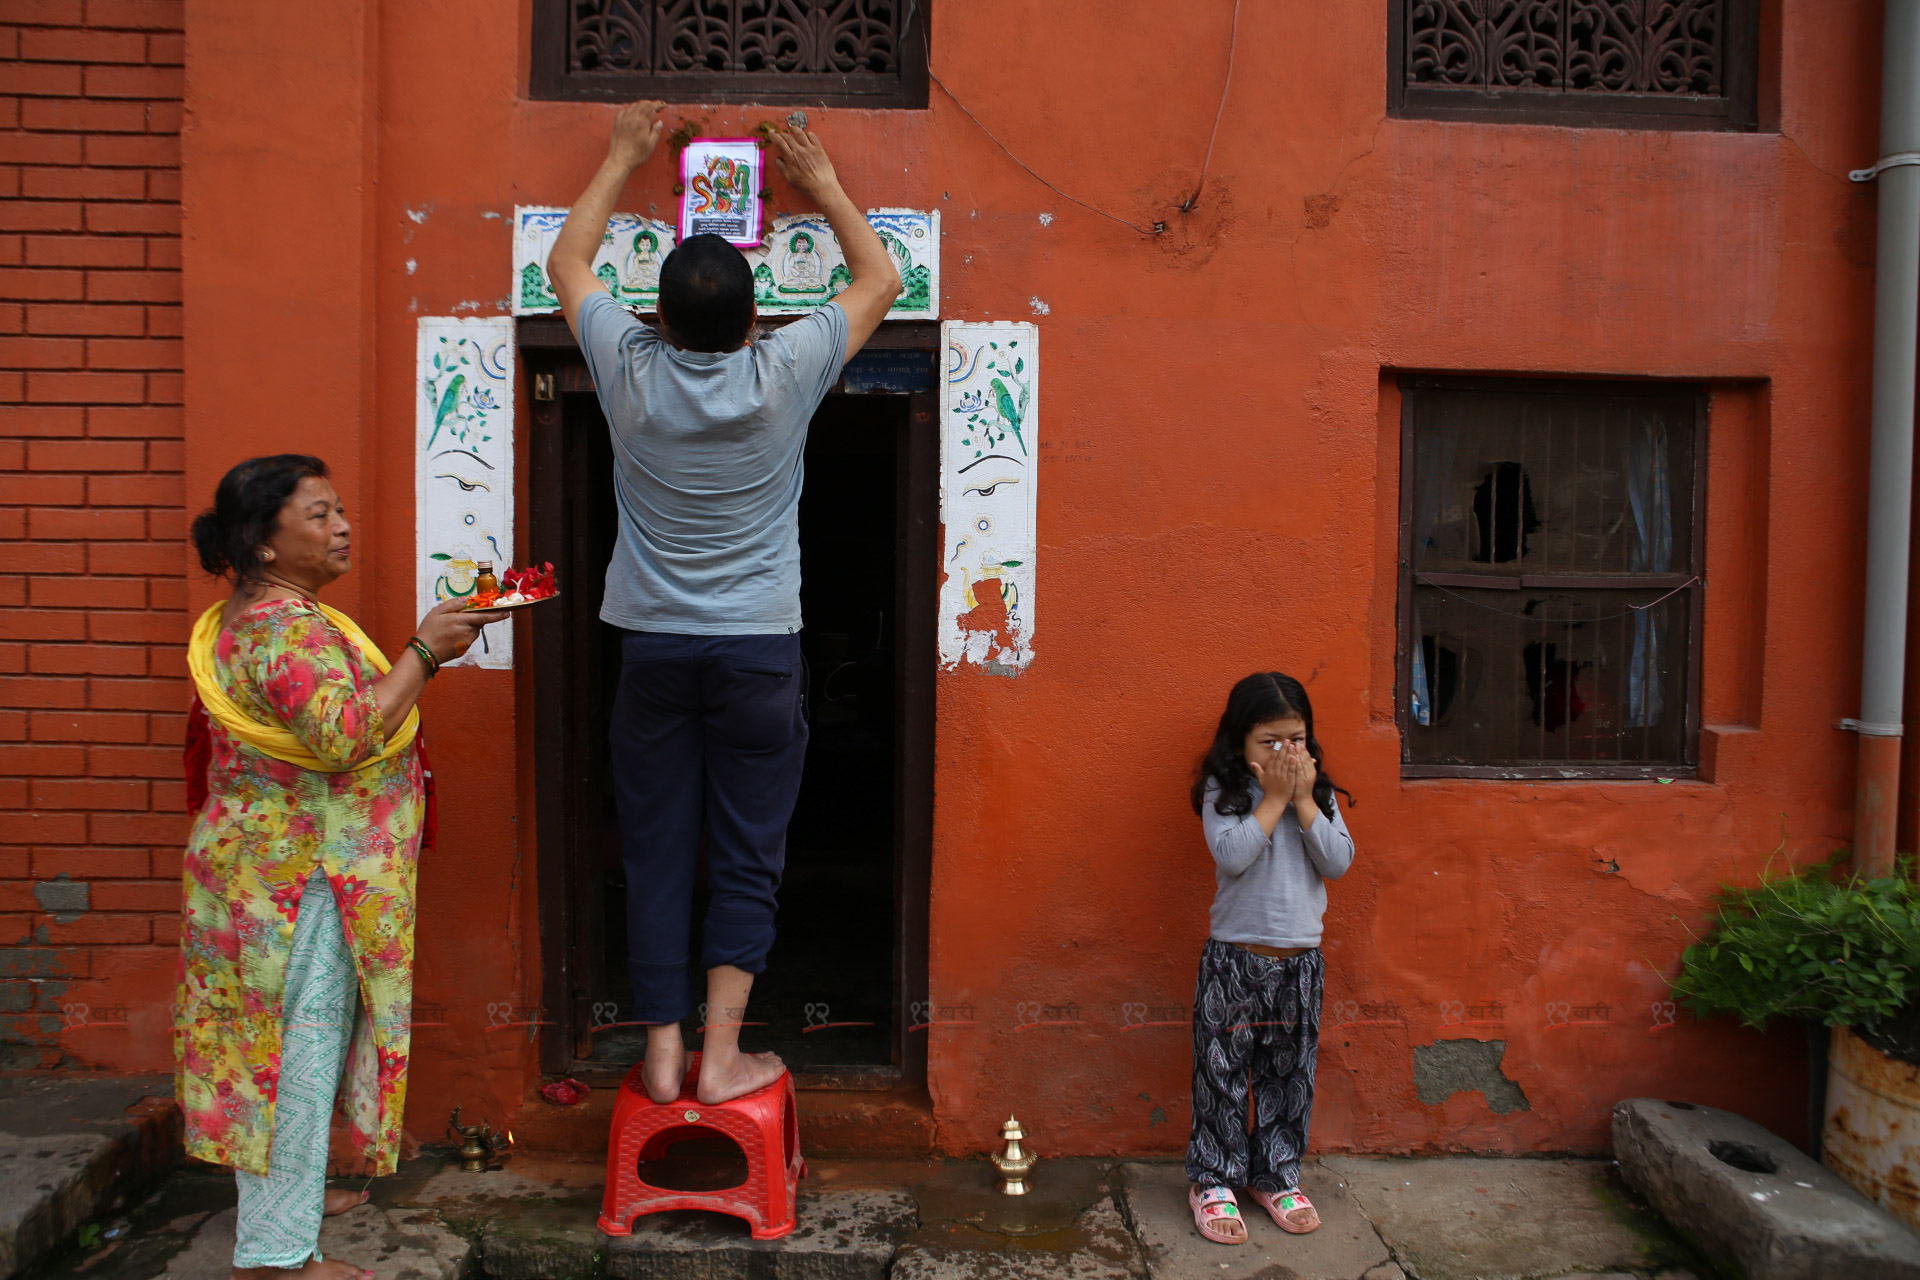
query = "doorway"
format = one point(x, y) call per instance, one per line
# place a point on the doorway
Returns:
point(849, 963)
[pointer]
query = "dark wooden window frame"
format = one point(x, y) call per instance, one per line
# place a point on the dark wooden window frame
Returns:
point(1692, 579)
point(1736, 111)
point(553, 369)
point(549, 76)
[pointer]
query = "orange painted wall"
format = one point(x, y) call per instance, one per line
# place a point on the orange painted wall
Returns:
point(1221, 496)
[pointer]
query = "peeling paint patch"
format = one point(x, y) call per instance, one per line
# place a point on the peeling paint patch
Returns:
point(995, 667)
point(458, 307)
point(1447, 1067)
point(1046, 219)
point(412, 266)
point(1039, 308)
point(421, 214)
point(68, 899)
point(489, 213)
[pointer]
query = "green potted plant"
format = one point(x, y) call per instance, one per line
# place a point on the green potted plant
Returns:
point(1843, 952)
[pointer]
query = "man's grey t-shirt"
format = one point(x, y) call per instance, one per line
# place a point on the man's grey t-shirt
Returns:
point(708, 464)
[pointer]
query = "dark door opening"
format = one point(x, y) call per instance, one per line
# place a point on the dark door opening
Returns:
point(849, 964)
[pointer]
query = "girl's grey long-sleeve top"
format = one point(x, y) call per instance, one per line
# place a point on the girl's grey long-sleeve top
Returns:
point(1272, 889)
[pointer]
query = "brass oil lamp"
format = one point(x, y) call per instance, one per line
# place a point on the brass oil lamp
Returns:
point(478, 1143)
point(1015, 1162)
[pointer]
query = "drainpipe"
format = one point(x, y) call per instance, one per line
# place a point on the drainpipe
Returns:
point(1896, 307)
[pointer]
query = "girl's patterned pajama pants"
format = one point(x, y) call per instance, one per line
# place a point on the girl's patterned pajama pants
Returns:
point(279, 1221)
point(1256, 1028)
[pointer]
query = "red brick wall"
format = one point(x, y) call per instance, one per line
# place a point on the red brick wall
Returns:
point(92, 592)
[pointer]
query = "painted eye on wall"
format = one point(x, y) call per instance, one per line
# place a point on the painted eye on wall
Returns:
point(986, 490)
point(467, 486)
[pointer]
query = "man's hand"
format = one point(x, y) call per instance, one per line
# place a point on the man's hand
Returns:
point(876, 283)
point(636, 132)
point(803, 162)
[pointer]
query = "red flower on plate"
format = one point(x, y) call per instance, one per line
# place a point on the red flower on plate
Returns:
point(535, 582)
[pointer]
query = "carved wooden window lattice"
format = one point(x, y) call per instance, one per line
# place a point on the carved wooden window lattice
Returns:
point(1623, 63)
point(870, 53)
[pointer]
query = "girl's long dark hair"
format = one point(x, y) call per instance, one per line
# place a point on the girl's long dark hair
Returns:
point(1263, 696)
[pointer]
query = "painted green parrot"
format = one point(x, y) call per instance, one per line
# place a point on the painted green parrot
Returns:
point(1008, 412)
point(447, 403)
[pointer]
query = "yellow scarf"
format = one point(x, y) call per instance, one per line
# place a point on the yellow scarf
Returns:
point(272, 739)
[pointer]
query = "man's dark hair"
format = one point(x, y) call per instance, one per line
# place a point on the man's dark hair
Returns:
point(246, 511)
point(706, 294)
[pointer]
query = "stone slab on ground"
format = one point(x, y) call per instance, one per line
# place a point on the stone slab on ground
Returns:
point(1795, 1222)
point(1346, 1247)
point(72, 1148)
point(1492, 1218)
point(527, 1228)
point(841, 1235)
point(1097, 1246)
point(393, 1244)
point(49, 1187)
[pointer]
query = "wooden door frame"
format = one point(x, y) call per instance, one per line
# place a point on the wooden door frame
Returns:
point(553, 369)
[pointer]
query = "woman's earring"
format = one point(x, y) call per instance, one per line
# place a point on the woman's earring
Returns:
point(266, 555)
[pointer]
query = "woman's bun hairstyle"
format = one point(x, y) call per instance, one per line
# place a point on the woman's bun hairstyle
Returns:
point(245, 512)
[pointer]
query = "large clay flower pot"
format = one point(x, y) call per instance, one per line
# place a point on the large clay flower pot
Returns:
point(1872, 1133)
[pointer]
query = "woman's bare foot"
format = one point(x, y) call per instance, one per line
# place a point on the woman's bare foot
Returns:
point(340, 1199)
point(737, 1075)
point(665, 1069)
point(315, 1269)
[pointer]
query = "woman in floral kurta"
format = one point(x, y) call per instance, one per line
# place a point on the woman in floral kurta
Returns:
point(313, 782)
point(265, 826)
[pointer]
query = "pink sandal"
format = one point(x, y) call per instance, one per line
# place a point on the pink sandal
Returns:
point(1214, 1211)
point(1282, 1206)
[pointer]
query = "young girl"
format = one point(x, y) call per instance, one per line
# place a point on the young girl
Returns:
point(1267, 809)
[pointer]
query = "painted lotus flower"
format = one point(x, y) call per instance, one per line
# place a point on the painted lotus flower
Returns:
point(483, 399)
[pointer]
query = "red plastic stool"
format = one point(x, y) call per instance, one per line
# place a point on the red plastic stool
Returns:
point(763, 1122)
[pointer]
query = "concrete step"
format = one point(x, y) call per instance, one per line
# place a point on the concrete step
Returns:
point(393, 1244)
point(1086, 1219)
point(1500, 1218)
point(74, 1150)
point(1346, 1247)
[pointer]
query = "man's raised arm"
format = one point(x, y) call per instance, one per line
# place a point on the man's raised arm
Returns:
point(636, 130)
point(876, 281)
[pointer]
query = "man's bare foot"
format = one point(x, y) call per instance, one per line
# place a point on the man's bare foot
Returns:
point(666, 1067)
point(315, 1269)
point(340, 1199)
point(741, 1075)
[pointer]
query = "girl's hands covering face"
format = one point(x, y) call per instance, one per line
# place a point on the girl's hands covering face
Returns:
point(1304, 773)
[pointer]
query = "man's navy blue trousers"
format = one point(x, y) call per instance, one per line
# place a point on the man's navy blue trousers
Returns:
point(709, 735)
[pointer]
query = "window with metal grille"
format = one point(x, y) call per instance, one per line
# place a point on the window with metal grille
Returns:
point(829, 53)
point(1550, 578)
point(1648, 64)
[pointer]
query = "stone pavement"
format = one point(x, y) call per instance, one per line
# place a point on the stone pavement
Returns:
point(74, 1148)
point(1449, 1218)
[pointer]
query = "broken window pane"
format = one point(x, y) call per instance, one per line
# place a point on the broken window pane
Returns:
point(1526, 678)
point(1553, 575)
point(1519, 482)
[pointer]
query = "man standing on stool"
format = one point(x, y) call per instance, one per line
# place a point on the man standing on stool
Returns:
point(709, 430)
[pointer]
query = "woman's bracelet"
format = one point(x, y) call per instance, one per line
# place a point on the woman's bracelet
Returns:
point(419, 646)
